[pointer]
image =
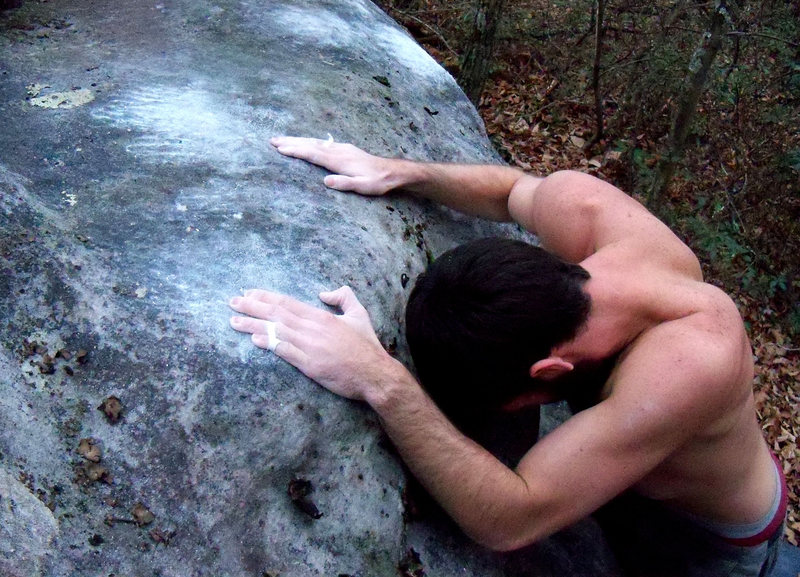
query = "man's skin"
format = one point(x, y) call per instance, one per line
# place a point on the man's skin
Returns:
point(675, 421)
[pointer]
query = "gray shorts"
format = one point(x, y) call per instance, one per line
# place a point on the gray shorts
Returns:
point(651, 541)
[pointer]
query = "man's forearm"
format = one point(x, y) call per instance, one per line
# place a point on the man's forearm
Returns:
point(489, 501)
point(480, 190)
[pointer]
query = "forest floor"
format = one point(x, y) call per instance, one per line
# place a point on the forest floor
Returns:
point(523, 132)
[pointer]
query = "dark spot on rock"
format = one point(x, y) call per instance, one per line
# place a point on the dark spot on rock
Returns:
point(96, 540)
point(68, 370)
point(299, 491)
point(63, 354)
point(81, 357)
point(431, 111)
point(46, 368)
point(404, 280)
point(382, 80)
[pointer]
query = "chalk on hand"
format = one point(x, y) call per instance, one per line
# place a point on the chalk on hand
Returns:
point(272, 339)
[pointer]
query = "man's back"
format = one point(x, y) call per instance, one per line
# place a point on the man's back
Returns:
point(722, 471)
point(688, 365)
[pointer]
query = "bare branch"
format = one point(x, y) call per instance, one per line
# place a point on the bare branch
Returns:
point(762, 35)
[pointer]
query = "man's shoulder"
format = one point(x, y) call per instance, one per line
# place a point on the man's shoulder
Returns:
point(703, 357)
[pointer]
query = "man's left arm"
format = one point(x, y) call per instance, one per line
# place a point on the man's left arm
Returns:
point(567, 475)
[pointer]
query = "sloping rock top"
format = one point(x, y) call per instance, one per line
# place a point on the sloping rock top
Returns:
point(139, 435)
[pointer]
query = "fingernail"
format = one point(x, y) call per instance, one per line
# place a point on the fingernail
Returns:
point(236, 321)
point(235, 301)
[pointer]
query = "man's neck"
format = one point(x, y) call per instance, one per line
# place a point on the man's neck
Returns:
point(615, 320)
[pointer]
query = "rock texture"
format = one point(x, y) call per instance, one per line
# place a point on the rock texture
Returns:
point(139, 435)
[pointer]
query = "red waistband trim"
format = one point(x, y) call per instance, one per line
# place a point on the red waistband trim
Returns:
point(777, 521)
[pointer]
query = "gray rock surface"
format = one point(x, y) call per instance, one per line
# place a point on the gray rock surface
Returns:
point(137, 194)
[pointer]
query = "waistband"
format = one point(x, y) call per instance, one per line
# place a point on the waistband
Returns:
point(752, 534)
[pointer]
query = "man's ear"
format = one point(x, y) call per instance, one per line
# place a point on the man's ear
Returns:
point(550, 368)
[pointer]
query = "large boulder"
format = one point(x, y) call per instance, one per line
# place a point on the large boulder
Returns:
point(139, 434)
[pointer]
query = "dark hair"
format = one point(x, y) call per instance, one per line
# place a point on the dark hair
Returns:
point(483, 313)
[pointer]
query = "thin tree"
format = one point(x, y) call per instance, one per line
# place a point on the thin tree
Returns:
point(696, 79)
point(598, 13)
point(479, 48)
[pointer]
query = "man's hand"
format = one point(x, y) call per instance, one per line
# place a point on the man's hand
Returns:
point(354, 170)
point(340, 352)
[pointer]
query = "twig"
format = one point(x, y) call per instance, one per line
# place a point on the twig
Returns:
point(762, 35)
point(431, 28)
point(735, 215)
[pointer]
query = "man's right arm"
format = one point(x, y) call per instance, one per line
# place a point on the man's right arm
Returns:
point(573, 214)
point(479, 190)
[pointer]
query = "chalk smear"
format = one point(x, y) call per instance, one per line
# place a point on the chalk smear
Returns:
point(192, 125)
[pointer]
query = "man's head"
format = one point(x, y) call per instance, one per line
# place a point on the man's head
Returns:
point(483, 314)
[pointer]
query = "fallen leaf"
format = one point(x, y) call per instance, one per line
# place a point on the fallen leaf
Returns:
point(577, 141)
point(142, 515)
point(89, 450)
point(112, 409)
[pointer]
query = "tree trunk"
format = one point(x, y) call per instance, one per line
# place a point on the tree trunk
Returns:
point(599, 9)
point(696, 79)
point(479, 48)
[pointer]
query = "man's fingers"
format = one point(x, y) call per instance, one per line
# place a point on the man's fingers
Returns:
point(365, 185)
point(339, 182)
point(344, 298)
point(249, 325)
point(278, 141)
point(269, 305)
point(282, 348)
point(311, 149)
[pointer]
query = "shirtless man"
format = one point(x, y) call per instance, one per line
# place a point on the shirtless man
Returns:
point(674, 424)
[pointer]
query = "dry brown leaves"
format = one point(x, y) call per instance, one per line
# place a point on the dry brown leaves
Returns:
point(777, 397)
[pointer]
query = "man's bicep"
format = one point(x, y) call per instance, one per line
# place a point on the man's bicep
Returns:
point(590, 459)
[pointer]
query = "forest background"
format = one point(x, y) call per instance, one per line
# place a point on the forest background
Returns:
point(693, 108)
